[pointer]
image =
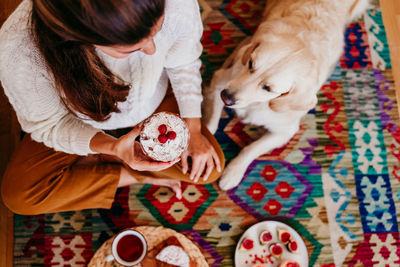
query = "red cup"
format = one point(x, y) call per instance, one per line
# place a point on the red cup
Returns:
point(128, 248)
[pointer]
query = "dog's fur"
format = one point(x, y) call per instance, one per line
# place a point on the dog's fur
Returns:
point(272, 78)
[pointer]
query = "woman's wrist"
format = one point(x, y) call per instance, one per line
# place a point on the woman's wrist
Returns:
point(194, 124)
point(104, 144)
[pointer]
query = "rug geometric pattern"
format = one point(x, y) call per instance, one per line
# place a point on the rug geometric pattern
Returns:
point(337, 182)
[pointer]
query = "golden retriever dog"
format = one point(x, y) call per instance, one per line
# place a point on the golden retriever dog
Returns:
point(272, 78)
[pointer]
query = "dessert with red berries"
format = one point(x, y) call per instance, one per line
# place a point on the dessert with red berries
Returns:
point(247, 244)
point(164, 136)
point(265, 237)
point(284, 235)
point(276, 250)
point(293, 247)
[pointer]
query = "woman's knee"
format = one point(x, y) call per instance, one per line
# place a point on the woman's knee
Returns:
point(19, 203)
point(14, 202)
point(15, 193)
point(12, 197)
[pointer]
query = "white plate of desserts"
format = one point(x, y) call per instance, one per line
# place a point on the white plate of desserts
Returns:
point(271, 244)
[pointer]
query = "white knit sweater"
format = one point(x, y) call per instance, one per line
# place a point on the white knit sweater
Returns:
point(30, 88)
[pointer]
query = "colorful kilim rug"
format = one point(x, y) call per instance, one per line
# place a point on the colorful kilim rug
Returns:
point(336, 182)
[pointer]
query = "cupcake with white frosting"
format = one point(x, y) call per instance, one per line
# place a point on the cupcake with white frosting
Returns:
point(164, 136)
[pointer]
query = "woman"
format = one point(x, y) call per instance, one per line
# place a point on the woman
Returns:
point(74, 68)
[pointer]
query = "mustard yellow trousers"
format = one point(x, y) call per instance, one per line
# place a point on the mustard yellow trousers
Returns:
point(40, 180)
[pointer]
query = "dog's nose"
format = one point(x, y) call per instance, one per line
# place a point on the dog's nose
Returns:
point(227, 97)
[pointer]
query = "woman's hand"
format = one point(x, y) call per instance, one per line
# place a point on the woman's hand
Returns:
point(128, 150)
point(132, 154)
point(203, 155)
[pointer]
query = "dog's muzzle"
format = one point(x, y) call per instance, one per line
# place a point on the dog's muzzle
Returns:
point(227, 98)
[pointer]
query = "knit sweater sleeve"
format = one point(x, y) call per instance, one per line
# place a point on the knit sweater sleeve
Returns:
point(182, 62)
point(30, 89)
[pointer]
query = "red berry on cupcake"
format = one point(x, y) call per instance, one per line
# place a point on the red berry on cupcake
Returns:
point(162, 138)
point(171, 135)
point(162, 129)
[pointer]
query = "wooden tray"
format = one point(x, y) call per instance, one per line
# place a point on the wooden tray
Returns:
point(154, 236)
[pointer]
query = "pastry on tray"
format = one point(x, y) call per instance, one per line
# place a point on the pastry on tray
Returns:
point(168, 253)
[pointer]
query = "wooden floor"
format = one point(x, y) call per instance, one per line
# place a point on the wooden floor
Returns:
point(9, 136)
point(391, 20)
point(9, 132)
point(9, 127)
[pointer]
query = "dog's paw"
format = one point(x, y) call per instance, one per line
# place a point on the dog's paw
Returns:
point(230, 178)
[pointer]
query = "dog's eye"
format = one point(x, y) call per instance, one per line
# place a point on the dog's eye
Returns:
point(251, 64)
point(266, 87)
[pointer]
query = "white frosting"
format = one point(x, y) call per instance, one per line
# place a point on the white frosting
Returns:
point(174, 255)
point(171, 149)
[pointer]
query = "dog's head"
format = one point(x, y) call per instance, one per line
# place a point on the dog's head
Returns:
point(279, 71)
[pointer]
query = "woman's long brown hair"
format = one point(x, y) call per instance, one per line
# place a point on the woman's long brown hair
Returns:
point(65, 32)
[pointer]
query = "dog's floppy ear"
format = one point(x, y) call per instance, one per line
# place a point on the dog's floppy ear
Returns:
point(235, 55)
point(296, 99)
point(247, 53)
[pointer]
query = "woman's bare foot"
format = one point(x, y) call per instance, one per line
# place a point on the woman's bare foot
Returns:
point(126, 179)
